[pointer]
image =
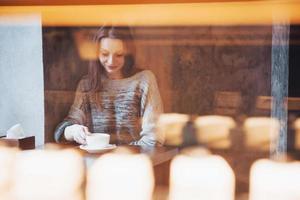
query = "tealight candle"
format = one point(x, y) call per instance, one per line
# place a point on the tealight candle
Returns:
point(48, 175)
point(171, 126)
point(214, 130)
point(274, 180)
point(260, 132)
point(206, 177)
point(7, 159)
point(121, 176)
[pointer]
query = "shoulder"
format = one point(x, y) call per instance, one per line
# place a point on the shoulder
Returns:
point(146, 75)
point(83, 84)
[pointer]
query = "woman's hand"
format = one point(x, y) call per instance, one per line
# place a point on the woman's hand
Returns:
point(76, 133)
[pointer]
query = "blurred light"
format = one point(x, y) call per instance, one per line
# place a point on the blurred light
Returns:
point(195, 151)
point(274, 180)
point(87, 49)
point(121, 176)
point(181, 14)
point(260, 132)
point(7, 160)
point(297, 133)
point(171, 126)
point(214, 130)
point(48, 175)
point(207, 177)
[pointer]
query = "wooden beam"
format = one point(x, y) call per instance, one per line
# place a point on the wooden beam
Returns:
point(103, 2)
point(168, 14)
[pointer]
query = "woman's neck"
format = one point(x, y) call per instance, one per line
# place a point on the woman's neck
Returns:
point(115, 76)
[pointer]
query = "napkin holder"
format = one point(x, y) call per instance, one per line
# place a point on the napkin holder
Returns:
point(23, 143)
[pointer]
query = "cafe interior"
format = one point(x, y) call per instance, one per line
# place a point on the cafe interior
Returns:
point(228, 76)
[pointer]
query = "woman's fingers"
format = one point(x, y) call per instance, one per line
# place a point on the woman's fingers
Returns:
point(86, 130)
point(80, 137)
point(77, 133)
point(84, 133)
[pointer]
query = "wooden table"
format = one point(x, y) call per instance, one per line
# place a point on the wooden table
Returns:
point(160, 156)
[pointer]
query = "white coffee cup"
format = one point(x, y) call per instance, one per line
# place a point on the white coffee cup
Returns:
point(97, 140)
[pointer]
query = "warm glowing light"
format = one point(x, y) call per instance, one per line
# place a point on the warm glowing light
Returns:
point(87, 49)
point(214, 131)
point(297, 133)
point(217, 13)
point(195, 151)
point(205, 177)
point(260, 132)
point(171, 125)
point(121, 176)
point(48, 175)
point(7, 159)
point(274, 180)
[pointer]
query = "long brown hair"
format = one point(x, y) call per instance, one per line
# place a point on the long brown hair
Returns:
point(96, 70)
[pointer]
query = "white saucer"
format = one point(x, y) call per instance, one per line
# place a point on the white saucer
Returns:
point(97, 150)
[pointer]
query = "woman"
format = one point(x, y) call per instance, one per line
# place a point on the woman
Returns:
point(115, 97)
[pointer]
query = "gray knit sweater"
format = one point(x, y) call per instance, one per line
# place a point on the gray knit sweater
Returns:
point(127, 109)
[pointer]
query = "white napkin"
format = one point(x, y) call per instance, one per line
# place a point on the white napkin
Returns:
point(15, 132)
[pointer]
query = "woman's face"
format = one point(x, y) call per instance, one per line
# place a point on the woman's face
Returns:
point(112, 56)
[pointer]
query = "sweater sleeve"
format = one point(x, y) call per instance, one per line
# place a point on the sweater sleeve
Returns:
point(78, 113)
point(151, 108)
